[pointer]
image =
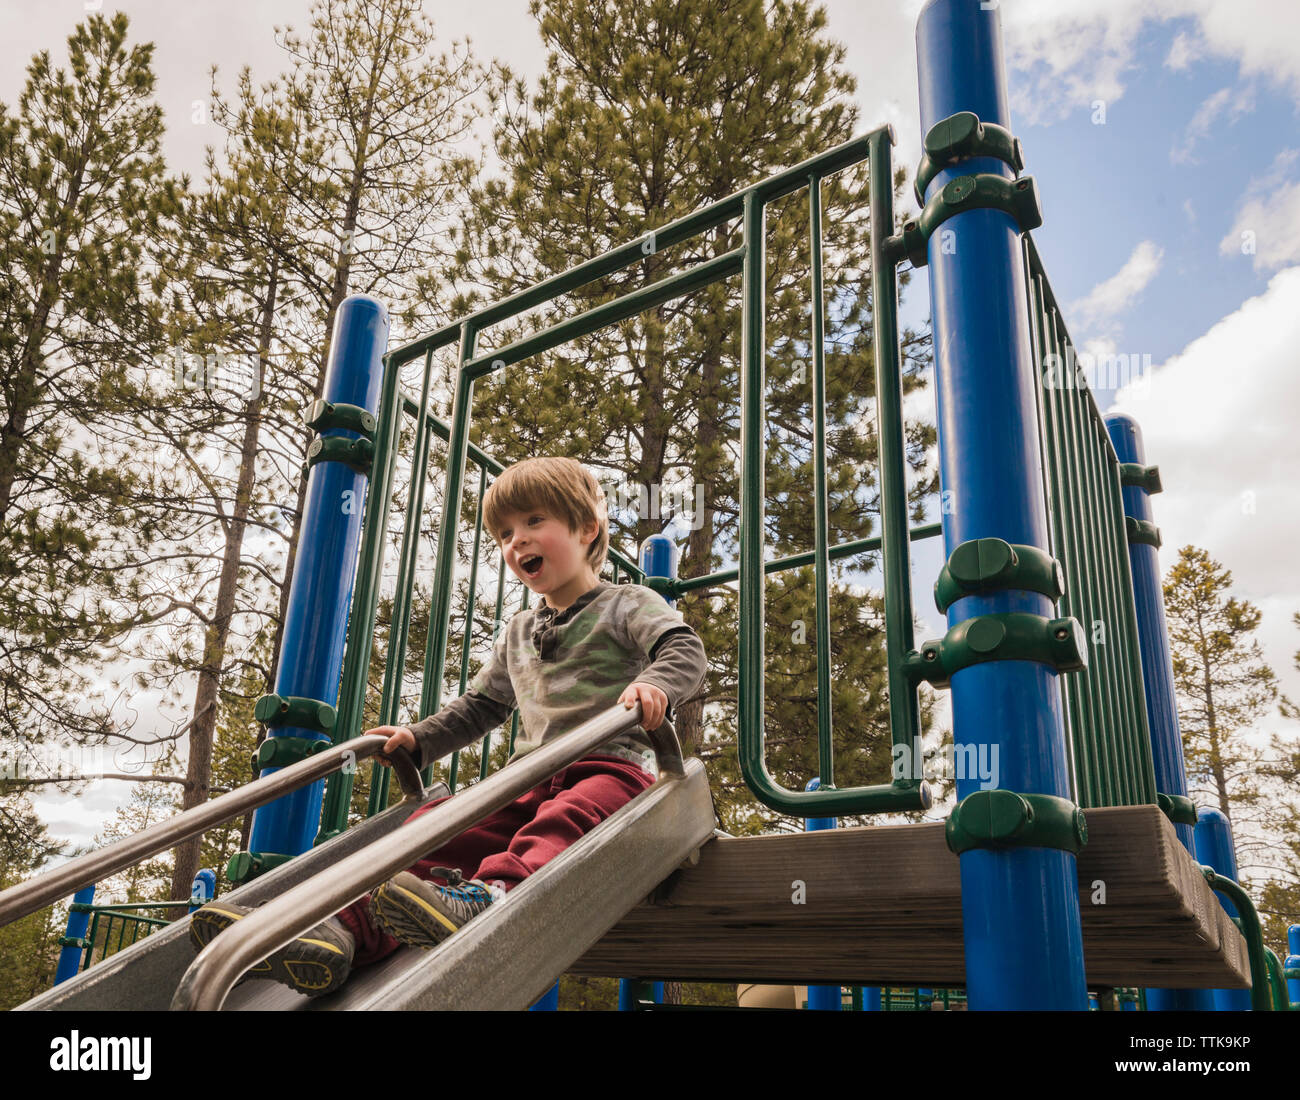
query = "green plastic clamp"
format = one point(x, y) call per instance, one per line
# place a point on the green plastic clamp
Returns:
point(324, 415)
point(960, 136)
point(357, 453)
point(985, 565)
point(277, 752)
point(1004, 819)
point(1140, 530)
point(1180, 809)
point(294, 710)
point(1019, 198)
point(244, 866)
point(1006, 636)
point(72, 941)
point(1141, 477)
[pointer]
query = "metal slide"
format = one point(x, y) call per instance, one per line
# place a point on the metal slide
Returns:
point(506, 958)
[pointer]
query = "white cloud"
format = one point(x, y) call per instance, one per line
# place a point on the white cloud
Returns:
point(1218, 419)
point(1184, 49)
point(1110, 298)
point(1267, 226)
point(1082, 50)
point(1234, 102)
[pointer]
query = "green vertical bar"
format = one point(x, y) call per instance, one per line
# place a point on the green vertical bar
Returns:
point(1084, 581)
point(751, 604)
point(825, 753)
point(896, 560)
point(399, 630)
point(445, 570)
point(1079, 764)
point(1104, 678)
point(1127, 629)
point(1121, 688)
point(1101, 580)
point(1085, 716)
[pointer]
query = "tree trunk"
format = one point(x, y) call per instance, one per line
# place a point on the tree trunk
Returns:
point(207, 693)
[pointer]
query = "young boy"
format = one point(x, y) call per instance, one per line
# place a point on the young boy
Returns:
point(587, 646)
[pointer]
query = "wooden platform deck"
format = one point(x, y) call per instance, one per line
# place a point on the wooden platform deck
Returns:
point(882, 905)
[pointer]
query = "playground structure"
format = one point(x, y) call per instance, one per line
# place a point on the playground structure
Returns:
point(1050, 544)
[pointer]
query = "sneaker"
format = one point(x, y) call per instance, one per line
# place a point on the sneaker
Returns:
point(423, 914)
point(316, 963)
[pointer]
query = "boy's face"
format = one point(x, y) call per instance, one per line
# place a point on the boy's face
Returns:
point(558, 556)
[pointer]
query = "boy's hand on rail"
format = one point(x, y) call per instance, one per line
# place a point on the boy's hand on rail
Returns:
point(398, 737)
point(654, 703)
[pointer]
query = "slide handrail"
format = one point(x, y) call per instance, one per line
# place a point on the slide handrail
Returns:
point(208, 981)
point(18, 901)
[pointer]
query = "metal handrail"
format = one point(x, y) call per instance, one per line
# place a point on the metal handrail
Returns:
point(28, 897)
point(208, 981)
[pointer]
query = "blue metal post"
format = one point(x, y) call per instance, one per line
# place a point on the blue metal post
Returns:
point(1153, 635)
point(549, 1001)
point(1214, 848)
point(203, 889)
point(1020, 906)
point(1157, 676)
point(74, 940)
point(1293, 963)
point(871, 998)
point(822, 998)
point(658, 558)
point(311, 655)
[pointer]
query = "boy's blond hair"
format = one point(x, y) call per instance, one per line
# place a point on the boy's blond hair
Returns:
point(563, 487)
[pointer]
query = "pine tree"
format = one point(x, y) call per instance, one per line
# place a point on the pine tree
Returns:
point(1222, 682)
point(29, 947)
point(87, 214)
point(646, 112)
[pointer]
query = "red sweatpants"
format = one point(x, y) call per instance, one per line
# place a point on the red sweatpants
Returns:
point(518, 839)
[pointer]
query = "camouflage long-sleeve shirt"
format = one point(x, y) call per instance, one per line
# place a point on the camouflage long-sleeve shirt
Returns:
point(563, 669)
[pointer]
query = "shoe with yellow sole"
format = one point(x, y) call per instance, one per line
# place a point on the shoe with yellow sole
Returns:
point(423, 914)
point(316, 963)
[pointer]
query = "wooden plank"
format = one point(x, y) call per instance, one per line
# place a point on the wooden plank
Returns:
point(876, 905)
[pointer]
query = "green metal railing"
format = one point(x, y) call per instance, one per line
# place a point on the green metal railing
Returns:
point(1106, 710)
point(747, 205)
point(1105, 704)
point(129, 926)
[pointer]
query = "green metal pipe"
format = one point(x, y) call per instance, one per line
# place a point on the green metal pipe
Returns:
point(896, 564)
point(821, 594)
point(1260, 996)
point(445, 569)
point(390, 699)
point(708, 217)
point(807, 557)
point(620, 309)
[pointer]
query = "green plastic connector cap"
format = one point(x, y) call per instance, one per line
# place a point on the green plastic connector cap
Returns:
point(1006, 636)
point(1142, 477)
point(324, 415)
point(1140, 530)
point(294, 710)
point(244, 866)
point(1005, 819)
point(986, 565)
point(1180, 809)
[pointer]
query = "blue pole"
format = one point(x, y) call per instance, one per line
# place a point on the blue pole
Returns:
point(1020, 906)
point(1157, 675)
point(203, 889)
point(658, 558)
point(1293, 963)
point(1214, 848)
point(822, 998)
point(74, 940)
point(549, 1001)
point(320, 596)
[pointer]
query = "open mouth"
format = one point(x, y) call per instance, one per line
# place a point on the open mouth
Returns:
point(532, 566)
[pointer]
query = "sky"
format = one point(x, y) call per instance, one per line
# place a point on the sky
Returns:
point(1163, 137)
